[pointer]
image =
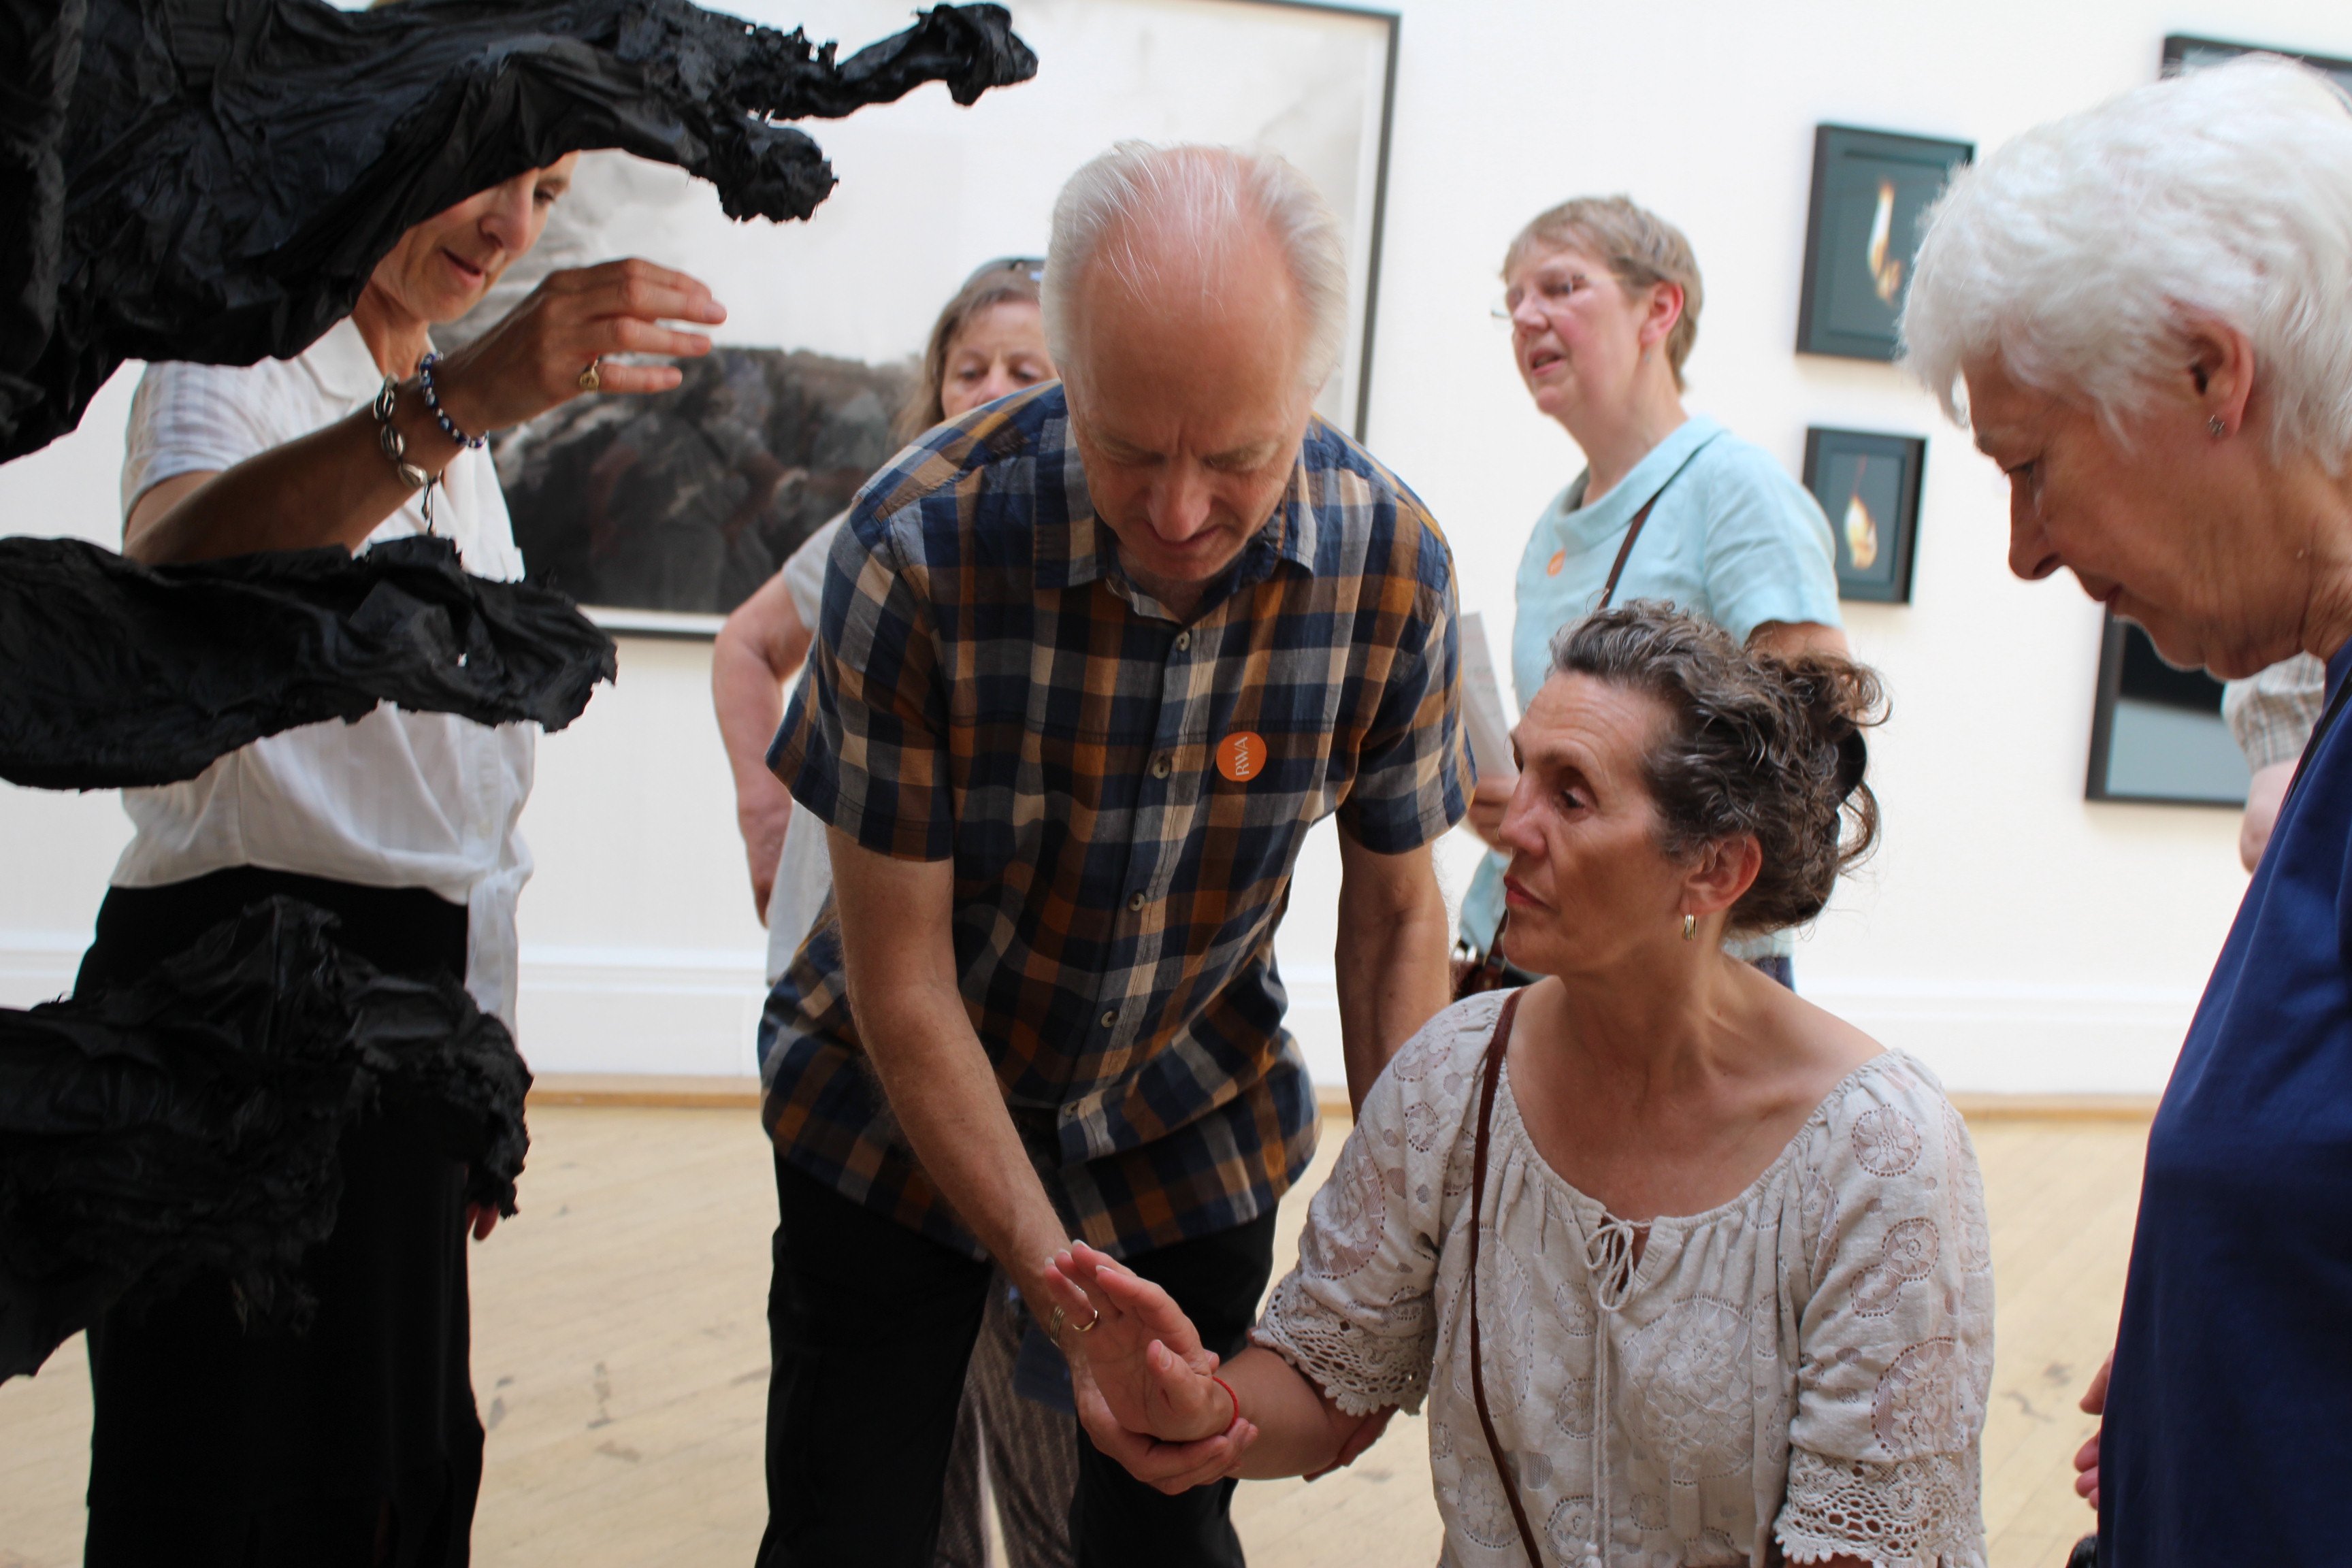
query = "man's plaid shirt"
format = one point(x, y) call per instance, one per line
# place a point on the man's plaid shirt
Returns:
point(984, 687)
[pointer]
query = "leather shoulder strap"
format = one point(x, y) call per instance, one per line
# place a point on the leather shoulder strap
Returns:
point(1634, 529)
point(1488, 1078)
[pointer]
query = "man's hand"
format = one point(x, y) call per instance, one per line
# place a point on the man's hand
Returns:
point(2086, 1457)
point(1145, 1387)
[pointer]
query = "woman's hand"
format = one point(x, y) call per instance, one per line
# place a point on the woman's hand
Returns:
point(533, 360)
point(481, 1219)
point(1487, 802)
point(2086, 1457)
point(1144, 1383)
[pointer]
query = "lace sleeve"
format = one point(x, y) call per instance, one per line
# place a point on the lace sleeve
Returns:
point(1357, 1316)
point(1896, 1341)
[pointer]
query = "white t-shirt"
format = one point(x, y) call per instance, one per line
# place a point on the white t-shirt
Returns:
point(398, 800)
point(804, 866)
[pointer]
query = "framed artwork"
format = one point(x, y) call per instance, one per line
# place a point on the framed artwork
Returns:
point(1868, 485)
point(2182, 53)
point(2157, 732)
point(1870, 190)
point(660, 514)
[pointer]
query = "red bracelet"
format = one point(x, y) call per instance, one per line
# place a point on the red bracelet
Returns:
point(1236, 1398)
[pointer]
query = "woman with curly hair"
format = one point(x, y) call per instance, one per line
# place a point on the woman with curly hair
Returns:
point(1683, 1269)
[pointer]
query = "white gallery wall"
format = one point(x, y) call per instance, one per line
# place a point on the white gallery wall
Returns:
point(2019, 938)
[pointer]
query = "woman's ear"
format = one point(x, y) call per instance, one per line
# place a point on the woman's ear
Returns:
point(1666, 302)
point(2221, 373)
point(1722, 875)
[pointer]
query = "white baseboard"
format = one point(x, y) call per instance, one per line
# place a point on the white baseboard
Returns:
point(692, 1011)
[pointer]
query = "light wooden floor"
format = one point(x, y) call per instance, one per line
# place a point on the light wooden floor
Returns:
point(621, 1360)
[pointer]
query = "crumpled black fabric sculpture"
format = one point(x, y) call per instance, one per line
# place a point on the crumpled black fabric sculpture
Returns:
point(214, 180)
point(114, 675)
point(189, 1123)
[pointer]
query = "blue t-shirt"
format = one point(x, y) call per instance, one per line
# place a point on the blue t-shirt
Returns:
point(2227, 1434)
point(1733, 539)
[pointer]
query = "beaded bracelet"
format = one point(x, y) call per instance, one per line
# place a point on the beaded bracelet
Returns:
point(449, 426)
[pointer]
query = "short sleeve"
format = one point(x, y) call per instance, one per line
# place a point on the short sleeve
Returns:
point(2270, 715)
point(1358, 1315)
point(1414, 773)
point(193, 419)
point(864, 743)
point(805, 571)
point(1895, 1351)
point(1768, 553)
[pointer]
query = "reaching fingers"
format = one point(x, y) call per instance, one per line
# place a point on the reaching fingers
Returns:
point(2094, 1398)
point(639, 288)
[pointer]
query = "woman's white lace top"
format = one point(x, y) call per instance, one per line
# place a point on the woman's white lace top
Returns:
point(1808, 1362)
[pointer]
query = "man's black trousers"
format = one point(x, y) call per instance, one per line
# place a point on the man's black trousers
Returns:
point(870, 1326)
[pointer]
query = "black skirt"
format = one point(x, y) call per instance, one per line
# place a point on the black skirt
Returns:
point(352, 1441)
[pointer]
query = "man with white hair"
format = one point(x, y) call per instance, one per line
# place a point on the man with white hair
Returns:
point(1093, 659)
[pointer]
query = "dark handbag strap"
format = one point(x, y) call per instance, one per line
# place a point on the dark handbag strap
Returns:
point(1634, 529)
point(1488, 1080)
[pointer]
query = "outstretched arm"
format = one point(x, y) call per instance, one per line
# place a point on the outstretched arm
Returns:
point(758, 650)
point(1153, 1398)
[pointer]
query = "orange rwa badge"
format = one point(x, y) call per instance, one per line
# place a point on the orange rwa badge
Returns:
point(1241, 757)
point(1558, 559)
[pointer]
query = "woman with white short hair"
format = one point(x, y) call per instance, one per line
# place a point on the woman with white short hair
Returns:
point(2145, 313)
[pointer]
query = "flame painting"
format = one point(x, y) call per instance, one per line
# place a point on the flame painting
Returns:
point(1861, 528)
point(1885, 273)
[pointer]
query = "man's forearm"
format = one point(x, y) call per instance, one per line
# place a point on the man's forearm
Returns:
point(1392, 962)
point(946, 1098)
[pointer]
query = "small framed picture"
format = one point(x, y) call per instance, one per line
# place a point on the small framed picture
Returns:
point(1870, 190)
point(1868, 485)
point(2183, 53)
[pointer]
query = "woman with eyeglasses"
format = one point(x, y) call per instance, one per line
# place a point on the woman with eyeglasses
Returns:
point(1602, 298)
point(988, 343)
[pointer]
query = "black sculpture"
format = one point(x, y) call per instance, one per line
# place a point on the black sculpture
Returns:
point(190, 1122)
point(134, 135)
point(114, 675)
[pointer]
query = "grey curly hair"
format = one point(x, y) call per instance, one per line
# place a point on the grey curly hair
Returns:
point(1761, 746)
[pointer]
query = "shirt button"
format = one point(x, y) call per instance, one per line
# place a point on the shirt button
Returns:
point(1110, 1017)
point(1135, 903)
point(1184, 641)
point(1161, 766)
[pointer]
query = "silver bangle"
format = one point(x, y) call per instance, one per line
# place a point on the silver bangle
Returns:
point(393, 445)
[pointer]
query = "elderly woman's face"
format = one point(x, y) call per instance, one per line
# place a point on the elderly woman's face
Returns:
point(1587, 880)
point(2160, 526)
point(443, 267)
point(1575, 331)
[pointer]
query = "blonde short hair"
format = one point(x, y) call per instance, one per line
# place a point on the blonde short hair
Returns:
point(1639, 247)
point(2074, 256)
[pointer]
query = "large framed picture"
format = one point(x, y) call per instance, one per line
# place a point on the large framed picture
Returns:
point(1870, 190)
point(1868, 486)
point(660, 514)
point(2182, 52)
point(2157, 732)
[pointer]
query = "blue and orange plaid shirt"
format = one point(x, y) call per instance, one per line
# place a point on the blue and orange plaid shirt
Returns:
point(1124, 798)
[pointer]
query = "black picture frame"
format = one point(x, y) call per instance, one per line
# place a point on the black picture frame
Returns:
point(2185, 52)
point(2157, 737)
point(1870, 190)
point(1867, 483)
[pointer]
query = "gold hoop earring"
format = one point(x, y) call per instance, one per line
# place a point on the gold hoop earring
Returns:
point(1690, 927)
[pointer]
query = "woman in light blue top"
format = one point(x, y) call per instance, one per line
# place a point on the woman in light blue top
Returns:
point(1602, 298)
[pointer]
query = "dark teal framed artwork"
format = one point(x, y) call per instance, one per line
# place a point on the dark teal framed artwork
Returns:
point(1868, 487)
point(1871, 188)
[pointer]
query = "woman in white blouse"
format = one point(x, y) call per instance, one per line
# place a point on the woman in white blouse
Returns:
point(349, 1438)
point(1733, 1291)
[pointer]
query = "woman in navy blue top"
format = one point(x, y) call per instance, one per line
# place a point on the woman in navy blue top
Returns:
point(2150, 308)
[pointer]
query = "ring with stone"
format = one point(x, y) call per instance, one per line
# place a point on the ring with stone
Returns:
point(591, 379)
